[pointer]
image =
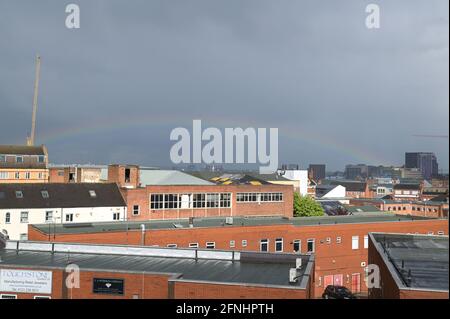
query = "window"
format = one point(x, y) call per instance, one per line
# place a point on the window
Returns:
point(225, 200)
point(264, 245)
point(27, 175)
point(212, 200)
point(172, 246)
point(24, 217)
point(41, 159)
point(355, 242)
point(69, 217)
point(7, 218)
point(48, 216)
point(171, 201)
point(44, 194)
point(193, 245)
point(279, 244)
point(430, 233)
point(156, 201)
point(297, 246)
point(127, 175)
point(366, 241)
point(328, 240)
point(23, 236)
point(440, 233)
point(310, 246)
point(3, 296)
point(2, 158)
point(92, 193)
point(338, 240)
point(232, 244)
point(244, 243)
point(259, 197)
point(19, 194)
point(42, 297)
point(16, 175)
point(135, 210)
point(116, 216)
point(210, 245)
point(19, 159)
point(4, 175)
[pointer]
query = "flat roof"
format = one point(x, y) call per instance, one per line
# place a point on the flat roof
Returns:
point(245, 267)
point(220, 222)
point(416, 261)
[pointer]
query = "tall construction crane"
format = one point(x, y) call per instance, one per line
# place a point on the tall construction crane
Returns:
point(30, 139)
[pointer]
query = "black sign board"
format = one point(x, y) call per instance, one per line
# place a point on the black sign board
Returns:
point(108, 286)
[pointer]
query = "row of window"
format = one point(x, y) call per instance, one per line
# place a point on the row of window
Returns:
point(187, 201)
point(19, 159)
point(27, 175)
point(414, 208)
point(259, 197)
point(48, 217)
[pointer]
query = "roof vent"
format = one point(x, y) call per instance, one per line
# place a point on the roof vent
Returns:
point(293, 277)
point(45, 194)
point(92, 193)
point(19, 194)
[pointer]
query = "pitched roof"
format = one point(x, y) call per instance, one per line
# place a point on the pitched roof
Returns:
point(60, 195)
point(169, 177)
point(22, 150)
point(351, 186)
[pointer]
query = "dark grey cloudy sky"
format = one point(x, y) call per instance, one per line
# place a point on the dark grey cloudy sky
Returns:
point(339, 93)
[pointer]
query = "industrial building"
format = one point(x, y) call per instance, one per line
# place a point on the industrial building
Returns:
point(410, 266)
point(339, 243)
point(31, 270)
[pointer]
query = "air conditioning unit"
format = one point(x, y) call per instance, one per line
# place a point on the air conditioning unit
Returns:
point(298, 263)
point(293, 275)
point(229, 220)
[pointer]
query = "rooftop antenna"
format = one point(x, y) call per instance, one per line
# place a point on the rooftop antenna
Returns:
point(30, 139)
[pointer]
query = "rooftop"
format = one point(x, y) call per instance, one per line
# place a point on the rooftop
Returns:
point(169, 177)
point(22, 150)
point(416, 261)
point(197, 265)
point(220, 222)
point(60, 195)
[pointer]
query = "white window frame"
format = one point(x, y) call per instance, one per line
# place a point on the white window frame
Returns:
point(339, 240)
point(328, 240)
point(313, 241)
point(244, 243)
point(42, 297)
point(366, 241)
point(193, 245)
point(232, 244)
point(7, 218)
point(49, 220)
point(67, 215)
point(355, 242)
point(24, 220)
point(172, 245)
point(210, 243)
point(7, 295)
point(116, 216)
point(299, 242)
point(138, 210)
point(264, 242)
point(278, 241)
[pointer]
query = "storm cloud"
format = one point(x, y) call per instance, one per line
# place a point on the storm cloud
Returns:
point(339, 93)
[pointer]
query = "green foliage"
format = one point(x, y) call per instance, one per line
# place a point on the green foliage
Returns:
point(306, 206)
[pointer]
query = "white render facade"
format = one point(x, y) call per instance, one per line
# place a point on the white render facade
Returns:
point(14, 222)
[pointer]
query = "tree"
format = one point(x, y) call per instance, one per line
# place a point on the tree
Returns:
point(305, 206)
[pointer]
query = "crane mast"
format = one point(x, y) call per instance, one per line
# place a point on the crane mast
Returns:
point(30, 140)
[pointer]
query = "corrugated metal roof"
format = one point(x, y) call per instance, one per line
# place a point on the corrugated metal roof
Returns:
point(169, 177)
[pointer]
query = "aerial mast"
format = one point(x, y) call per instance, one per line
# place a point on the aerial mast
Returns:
point(30, 139)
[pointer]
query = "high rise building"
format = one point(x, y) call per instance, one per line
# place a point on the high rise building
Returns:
point(426, 162)
point(316, 171)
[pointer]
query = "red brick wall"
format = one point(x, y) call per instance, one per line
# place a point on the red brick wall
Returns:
point(141, 197)
point(190, 290)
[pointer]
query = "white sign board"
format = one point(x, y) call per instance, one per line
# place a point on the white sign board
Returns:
point(25, 281)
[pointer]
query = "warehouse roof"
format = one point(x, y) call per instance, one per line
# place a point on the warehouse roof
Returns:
point(220, 222)
point(416, 261)
point(169, 177)
point(60, 195)
point(210, 265)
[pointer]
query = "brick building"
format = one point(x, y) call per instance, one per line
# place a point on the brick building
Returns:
point(339, 243)
point(23, 164)
point(75, 174)
point(410, 266)
point(118, 272)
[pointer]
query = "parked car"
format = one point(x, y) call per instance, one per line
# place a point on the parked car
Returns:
point(337, 292)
